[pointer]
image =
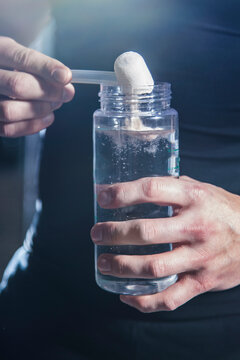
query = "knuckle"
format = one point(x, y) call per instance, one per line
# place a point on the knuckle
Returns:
point(110, 231)
point(119, 193)
point(17, 84)
point(22, 56)
point(198, 230)
point(215, 228)
point(155, 268)
point(151, 187)
point(201, 257)
point(188, 178)
point(203, 283)
point(198, 287)
point(197, 192)
point(120, 265)
point(170, 303)
point(145, 306)
point(208, 284)
point(6, 39)
point(184, 177)
point(147, 231)
point(6, 111)
point(205, 230)
point(8, 130)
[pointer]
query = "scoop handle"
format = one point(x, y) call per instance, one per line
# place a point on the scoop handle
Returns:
point(94, 77)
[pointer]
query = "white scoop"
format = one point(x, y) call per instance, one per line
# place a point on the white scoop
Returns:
point(133, 74)
point(94, 77)
point(133, 77)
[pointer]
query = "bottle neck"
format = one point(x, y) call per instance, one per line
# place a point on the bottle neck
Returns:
point(145, 100)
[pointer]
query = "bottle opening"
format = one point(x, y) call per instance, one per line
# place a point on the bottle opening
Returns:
point(148, 98)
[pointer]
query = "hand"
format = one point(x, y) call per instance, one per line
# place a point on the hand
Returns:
point(38, 86)
point(205, 232)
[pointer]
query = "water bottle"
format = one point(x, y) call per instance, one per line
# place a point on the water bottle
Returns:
point(135, 136)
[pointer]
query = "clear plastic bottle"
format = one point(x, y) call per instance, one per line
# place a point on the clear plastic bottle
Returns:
point(135, 136)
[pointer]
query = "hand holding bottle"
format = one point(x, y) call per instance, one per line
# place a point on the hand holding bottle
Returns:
point(205, 232)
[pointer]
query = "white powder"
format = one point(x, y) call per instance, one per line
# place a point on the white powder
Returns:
point(133, 74)
point(134, 78)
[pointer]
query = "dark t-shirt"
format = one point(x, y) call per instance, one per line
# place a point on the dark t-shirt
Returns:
point(195, 45)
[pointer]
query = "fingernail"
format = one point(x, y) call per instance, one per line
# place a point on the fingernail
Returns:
point(97, 235)
point(56, 105)
point(104, 198)
point(67, 95)
point(60, 75)
point(104, 264)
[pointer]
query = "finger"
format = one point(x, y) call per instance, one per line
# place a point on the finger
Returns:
point(24, 86)
point(186, 288)
point(13, 110)
point(141, 232)
point(27, 127)
point(158, 190)
point(155, 266)
point(21, 58)
point(189, 179)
